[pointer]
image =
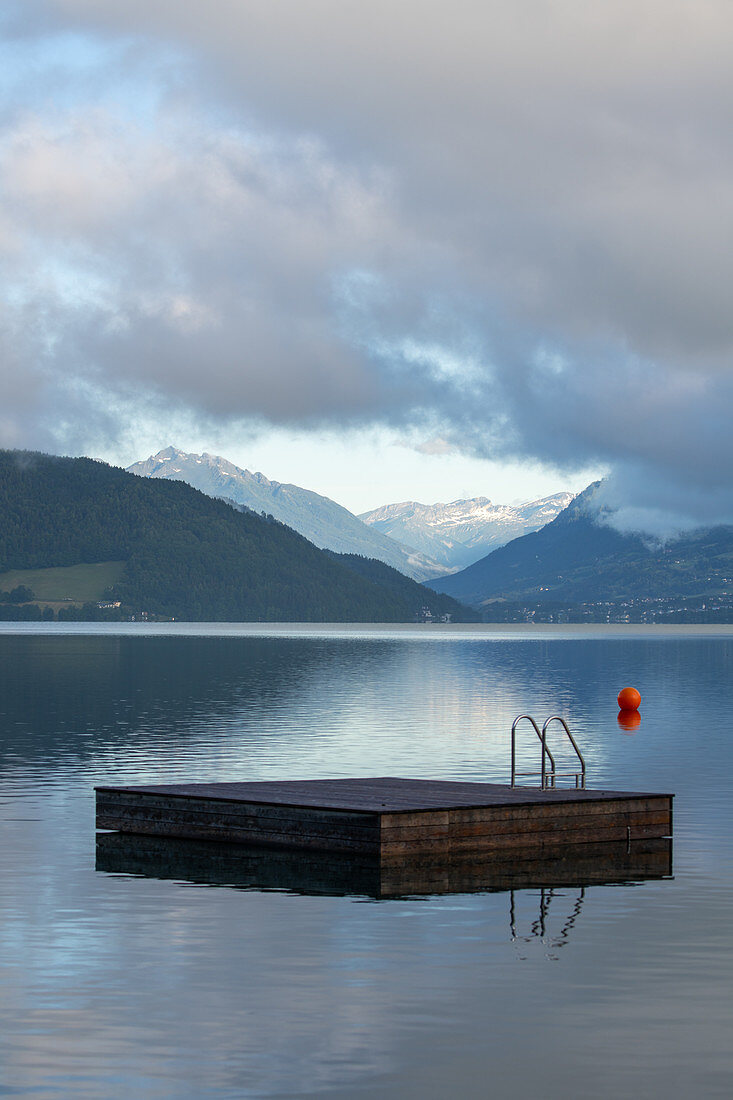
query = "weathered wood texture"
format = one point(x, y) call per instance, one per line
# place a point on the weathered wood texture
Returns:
point(383, 794)
point(393, 818)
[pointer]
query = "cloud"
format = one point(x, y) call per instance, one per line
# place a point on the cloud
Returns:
point(435, 446)
point(505, 224)
point(194, 264)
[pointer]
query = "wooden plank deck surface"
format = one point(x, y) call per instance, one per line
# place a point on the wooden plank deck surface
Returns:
point(379, 795)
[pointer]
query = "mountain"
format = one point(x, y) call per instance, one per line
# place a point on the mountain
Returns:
point(409, 591)
point(580, 557)
point(185, 554)
point(463, 531)
point(322, 521)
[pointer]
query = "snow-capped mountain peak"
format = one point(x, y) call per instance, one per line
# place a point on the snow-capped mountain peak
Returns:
point(421, 540)
point(319, 519)
point(462, 531)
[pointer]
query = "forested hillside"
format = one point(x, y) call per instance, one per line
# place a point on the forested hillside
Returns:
point(187, 555)
point(408, 591)
point(578, 558)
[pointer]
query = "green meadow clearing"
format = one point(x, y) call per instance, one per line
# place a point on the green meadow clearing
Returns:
point(75, 583)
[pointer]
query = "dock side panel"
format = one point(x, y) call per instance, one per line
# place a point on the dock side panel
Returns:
point(239, 822)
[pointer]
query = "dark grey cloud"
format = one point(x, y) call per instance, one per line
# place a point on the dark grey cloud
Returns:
point(512, 221)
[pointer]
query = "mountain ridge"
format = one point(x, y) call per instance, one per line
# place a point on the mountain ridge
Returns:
point(462, 531)
point(321, 520)
point(186, 555)
point(581, 557)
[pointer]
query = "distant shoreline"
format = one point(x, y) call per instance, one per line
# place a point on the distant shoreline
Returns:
point(377, 631)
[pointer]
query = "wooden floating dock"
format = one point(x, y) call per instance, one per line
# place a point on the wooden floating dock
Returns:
point(395, 820)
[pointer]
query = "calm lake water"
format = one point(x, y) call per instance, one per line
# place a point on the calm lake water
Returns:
point(114, 984)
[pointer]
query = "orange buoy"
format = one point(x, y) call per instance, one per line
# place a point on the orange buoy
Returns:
point(629, 720)
point(629, 699)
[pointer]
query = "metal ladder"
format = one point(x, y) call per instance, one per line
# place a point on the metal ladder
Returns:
point(548, 775)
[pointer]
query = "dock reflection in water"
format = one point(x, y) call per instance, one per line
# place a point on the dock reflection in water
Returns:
point(213, 863)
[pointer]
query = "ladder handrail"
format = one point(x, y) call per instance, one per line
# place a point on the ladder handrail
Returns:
point(578, 753)
point(543, 741)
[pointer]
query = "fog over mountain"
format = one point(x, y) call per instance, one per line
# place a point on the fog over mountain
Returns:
point(320, 520)
point(582, 556)
point(463, 531)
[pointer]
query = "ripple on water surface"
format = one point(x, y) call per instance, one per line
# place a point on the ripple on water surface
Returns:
point(124, 985)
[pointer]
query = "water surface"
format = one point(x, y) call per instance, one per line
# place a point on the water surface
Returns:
point(116, 985)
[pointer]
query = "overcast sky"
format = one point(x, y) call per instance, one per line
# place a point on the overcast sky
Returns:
point(385, 250)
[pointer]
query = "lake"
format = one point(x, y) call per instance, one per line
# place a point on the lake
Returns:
point(117, 984)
